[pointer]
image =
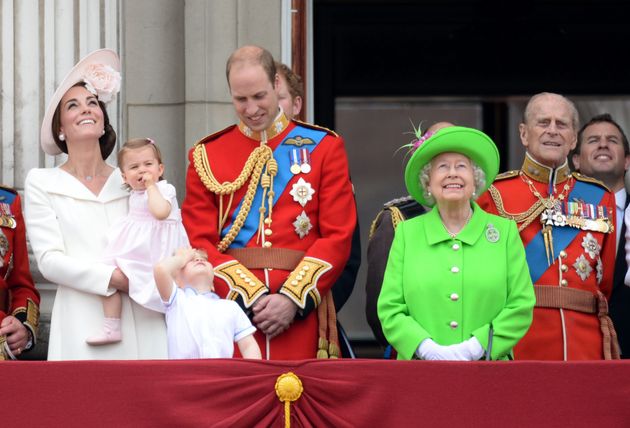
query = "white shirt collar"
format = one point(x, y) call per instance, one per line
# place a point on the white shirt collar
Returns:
point(620, 198)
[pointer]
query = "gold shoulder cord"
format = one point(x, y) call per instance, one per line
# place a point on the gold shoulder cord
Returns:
point(524, 219)
point(373, 225)
point(397, 216)
point(253, 168)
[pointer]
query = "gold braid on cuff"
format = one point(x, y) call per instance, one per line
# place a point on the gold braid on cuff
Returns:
point(302, 282)
point(241, 282)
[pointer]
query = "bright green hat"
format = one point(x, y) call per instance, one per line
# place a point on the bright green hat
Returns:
point(458, 139)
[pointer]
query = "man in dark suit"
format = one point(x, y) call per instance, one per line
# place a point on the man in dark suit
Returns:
point(602, 152)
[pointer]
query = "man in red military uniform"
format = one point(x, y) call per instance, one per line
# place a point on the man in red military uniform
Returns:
point(19, 300)
point(566, 221)
point(271, 202)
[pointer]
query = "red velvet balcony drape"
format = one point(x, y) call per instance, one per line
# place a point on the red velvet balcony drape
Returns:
point(343, 393)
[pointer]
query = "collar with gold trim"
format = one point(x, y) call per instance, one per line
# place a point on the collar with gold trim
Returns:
point(542, 173)
point(279, 124)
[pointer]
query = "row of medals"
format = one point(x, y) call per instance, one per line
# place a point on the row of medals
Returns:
point(302, 190)
point(577, 214)
point(300, 161)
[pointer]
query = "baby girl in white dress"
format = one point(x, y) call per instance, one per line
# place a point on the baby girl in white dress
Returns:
point(151, 231)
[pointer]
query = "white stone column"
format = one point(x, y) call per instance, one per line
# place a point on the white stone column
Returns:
point(7, 100)
point(214, 29)
point(154, 75)
point(40, 42)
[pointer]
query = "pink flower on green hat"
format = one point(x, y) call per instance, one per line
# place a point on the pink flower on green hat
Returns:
point(420, 140)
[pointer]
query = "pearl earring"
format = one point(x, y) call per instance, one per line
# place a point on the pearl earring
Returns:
point(62, 136)
point(429, 193)
point(103, 133)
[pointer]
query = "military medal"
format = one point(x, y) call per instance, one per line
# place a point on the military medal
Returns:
point(7, 219)
point(582, 267)
point(295, 164)
point(591, 246)
point(588, 217)
point(302, 192)
point(305, 158)
point(302, 225)
point(551, 216)
point(4, 244)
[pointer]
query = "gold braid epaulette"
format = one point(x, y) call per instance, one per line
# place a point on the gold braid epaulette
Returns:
point(587, 179)
point(523, 219)
point(317, 127)
point(395, 214)
point(253, 168)
point(507, 174)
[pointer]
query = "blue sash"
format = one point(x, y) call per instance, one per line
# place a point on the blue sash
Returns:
point(280, 181)
point(6, 196)
point(562, 236)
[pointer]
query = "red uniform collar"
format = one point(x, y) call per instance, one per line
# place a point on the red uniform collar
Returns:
point(544, 174)
point(279, 124)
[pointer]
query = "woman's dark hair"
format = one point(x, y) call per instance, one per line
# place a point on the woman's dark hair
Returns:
point(107, 142)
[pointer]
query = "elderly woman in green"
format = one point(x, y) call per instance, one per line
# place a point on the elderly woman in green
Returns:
point(456, 286)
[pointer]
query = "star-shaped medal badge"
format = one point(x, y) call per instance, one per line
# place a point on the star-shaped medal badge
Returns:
point(591, 246)
point(582, 267)
point(302, 192)
point(302, 225)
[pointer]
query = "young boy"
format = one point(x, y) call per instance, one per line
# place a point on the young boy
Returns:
point(200, 324)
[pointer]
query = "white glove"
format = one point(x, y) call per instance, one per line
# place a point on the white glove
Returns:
point(428, 350)
point(468, 350)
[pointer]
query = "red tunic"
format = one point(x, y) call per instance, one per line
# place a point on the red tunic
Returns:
point(326, 245)
point(16, 282)
point(560, 334)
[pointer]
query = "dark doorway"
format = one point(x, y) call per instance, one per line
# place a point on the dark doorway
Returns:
point(483, 49)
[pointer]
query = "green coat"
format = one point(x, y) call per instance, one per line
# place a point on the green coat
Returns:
point(452, 289)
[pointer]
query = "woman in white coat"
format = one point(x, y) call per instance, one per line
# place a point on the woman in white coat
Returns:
point(68, 210)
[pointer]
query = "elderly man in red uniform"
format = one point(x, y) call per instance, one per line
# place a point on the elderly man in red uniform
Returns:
point(566, 221)
point(271, 201)
point(19, 300)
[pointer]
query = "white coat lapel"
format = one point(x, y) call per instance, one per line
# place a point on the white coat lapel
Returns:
point(63, 183)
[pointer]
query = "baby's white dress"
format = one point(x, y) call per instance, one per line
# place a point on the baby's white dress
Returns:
point(138, 241)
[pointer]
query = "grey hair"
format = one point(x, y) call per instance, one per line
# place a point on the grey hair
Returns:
point(575, 117)
point(479, 180)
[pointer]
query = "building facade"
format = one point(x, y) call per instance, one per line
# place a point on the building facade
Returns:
point(173, 55)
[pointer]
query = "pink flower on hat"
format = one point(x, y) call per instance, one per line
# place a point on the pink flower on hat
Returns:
point(420, 140)
point(102, 81)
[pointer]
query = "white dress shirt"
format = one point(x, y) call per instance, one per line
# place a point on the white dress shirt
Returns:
point(620, 201)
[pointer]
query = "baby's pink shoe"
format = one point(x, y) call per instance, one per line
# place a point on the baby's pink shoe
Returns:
point(111, 333)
